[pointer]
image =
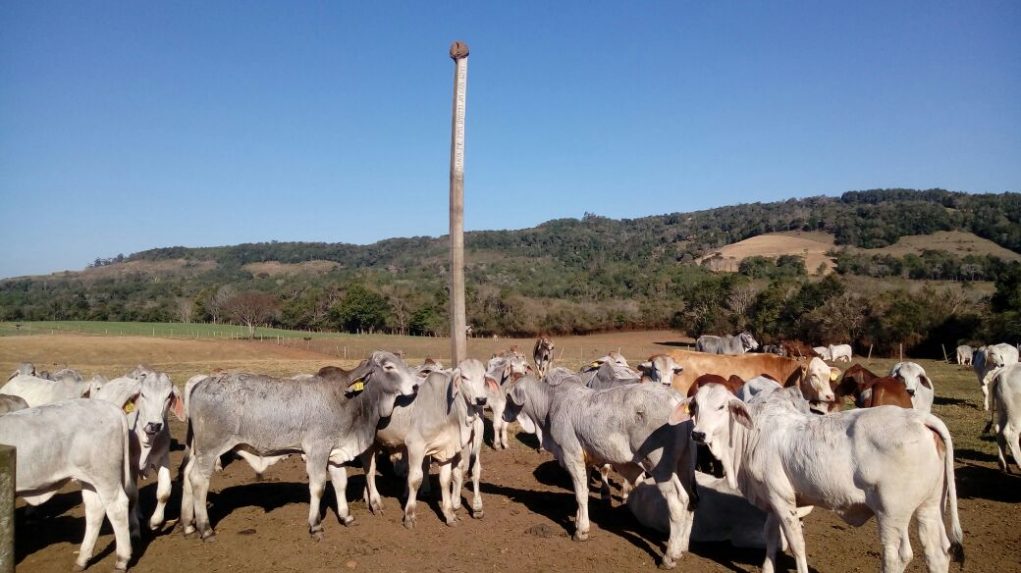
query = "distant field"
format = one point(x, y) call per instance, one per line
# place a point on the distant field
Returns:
point(955, 242)
point(812, 246)
point(198, 330)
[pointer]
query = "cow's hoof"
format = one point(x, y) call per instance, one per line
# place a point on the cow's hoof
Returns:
point(78, 568)
point(347, 520)
point(478, 513)
point(409, 522)
point(579, 536)
point(120, 567)
point(318, 535)
point(667, 563)
point(452, 522)
point(208, 536)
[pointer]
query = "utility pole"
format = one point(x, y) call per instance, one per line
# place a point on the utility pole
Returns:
point(458, 323)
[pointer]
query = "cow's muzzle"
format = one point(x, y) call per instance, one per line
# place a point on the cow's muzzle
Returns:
point(698, 436)
point(153, 428)
point(480, 401)
point(911, 392)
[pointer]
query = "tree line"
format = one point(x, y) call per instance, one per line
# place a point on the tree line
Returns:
point(582, 275)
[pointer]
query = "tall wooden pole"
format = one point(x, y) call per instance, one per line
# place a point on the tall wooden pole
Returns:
point(8, 467)
point(458, 323)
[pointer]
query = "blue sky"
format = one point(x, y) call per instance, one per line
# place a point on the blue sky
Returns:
point(127, 126)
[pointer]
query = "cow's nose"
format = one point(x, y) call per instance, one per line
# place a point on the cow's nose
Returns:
point(911, 392)
point(698, 436)
point(152, 428)
point(480, 401)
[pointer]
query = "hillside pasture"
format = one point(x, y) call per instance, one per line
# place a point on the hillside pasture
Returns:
point(811, 246)
point(528, 497)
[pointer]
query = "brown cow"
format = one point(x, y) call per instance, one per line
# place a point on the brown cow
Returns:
point(870, 390)
point(733, 384)
point(745, 366)
point(798, 349)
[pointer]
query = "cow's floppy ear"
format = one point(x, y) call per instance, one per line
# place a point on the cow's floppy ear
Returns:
point(455, 379)
point(925, 381)
point(177, 405)
point(681, 413)
point(492, 384)
point(644, 367)
point(516, 395)
point(739, 411)
point(132, 402)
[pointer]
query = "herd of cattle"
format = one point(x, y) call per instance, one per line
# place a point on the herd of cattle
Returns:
point(773, 425)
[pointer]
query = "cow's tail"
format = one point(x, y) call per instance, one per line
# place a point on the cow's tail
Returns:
point(949, 489)
point(130, 483)
point(189, 386)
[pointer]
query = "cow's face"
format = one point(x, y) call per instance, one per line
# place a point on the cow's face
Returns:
point(470, 381)
point(391, 373)
point(714, 411)
point(661, 368)
point(516, 396)
point(156, 397)
point(748, 342)
point(817, 385)
point(913, 376)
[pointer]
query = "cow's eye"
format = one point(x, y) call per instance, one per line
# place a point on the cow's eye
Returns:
point(721, 407)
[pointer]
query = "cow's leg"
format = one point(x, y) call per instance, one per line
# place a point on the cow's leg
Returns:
point(415, 459)
point(475, 464)
point(677, 507)
point(893, 536)
point(200, 473)
point(187, 519)
point(338, 477)
point(457, 478)
point(445, 482)
point(163, 488)
point(114, 501)
point(985, 396)
point(371, 495)
point(604, 488)
point(771, 533)
point(315, 466)
point(94, 513)
point(790, 526)
point(499, 426)
point(1010, 434)
point(579, 475)
point(932, 536)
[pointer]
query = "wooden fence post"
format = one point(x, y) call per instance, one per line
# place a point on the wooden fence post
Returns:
point(8, 471)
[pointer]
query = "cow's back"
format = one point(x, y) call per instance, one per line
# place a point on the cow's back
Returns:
point(745, 366)
point(68, 439)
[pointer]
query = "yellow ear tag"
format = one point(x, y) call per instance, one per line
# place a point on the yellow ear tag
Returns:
point(834, 374)
point(595, 364)
point(129, 407)
point(687, 409)
point(358, 386)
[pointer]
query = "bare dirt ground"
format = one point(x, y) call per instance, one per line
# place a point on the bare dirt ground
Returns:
point(529, 505)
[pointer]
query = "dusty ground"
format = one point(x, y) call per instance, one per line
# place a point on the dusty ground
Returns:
point(528, 501)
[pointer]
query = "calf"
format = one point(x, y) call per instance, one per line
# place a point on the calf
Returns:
point(267, 418)
point(726, 344)
point(660, 368)
point(917, 383)
point(504, 370)
point(823, 352)
point(964, 354)
point(869, 390)
point(441, 421)
point(38, 391)
point(542, 354)
point(841, 352)
point(1007, 399)
point(626, 427)
point(889, 462)
point(147, 397)
point(986, 362)
point(797, 349)
point(85, 441)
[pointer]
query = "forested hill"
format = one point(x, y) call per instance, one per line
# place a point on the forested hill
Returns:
point(582, 275)
point(867, 219)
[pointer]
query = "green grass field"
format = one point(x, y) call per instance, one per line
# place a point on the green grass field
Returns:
point(165, 330)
